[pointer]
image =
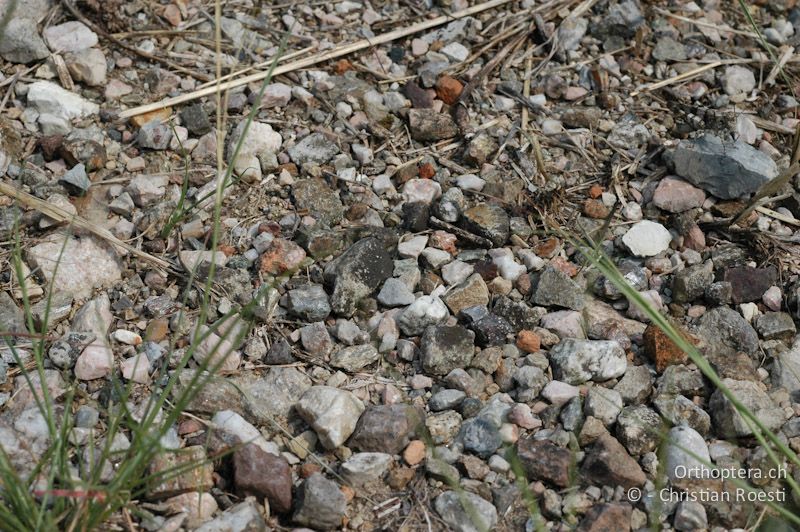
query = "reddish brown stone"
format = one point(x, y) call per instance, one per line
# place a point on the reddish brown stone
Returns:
point(694, 238)
point(259, 473)
point(595, 191)
point(308, 469)
point(611, 517)
point(426, 171)
point(564, 266)
point(595, 208)
point(546, 248)
point(663, 351)
point(448, 89)
point(544, 460)
point(608, 463)
point(529, 341)
point(342, 66)
point(282, 256)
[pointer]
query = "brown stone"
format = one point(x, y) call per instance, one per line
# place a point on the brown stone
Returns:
point(426, 171)
point(144, 118)
point(259, 473)
point(595, 208)
point(157, 330)
point(414, 452)
point(282, 256)
point(448, 89)
point(544, 460)
point(663, 351)
point(608, 463)
point(611, 517)
point(400, 477)
point(529, 341)
point(595, 191)
point(546, 248)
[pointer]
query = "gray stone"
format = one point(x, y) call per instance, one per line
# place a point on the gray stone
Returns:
point(726, 332)
point(363, 468)
point(88, 66)
point(636, 385)
point(71, 36)
point(678, 410)
point(639, 429)
point(668, 49)
point(319, 199)
point(724, 168)
point(20, 41)
point(691, 283)
point(726, 418)
point(603, 404)
point(12, 319)
point(785, 371)
point(314, 148)
point(309, 302)
point(243, 517)
point(357, 273)
point(458, 509)
point(480, 436)
point(354, 358)
point(276, 393)
point(577, 361)
point(446, 400)
point(690, 516)
point(76, 181)
point(331, 412)
point(154, 135)
point(776, 325)
point(444, 349)
point(320, 504)
point(395, 293)
point(556, 288)
point(686, 449)
point(386, 428)
point(427, 126)
point(195, 118)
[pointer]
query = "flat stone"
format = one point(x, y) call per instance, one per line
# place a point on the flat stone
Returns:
point(85, 264)
point(647, 239)
point(488, 220)
point(364, 468)
point(749, 284)
point(48, 98)
point(446, 348)
point(543, 460)
point(315, 148)
point(264, 475)
point(357, 273)
point(309, 302)
point(557, 288)
point(726, 169)
point(20, 41)
point(676, 195)
point(315, 196)
point(608, 463)
point(395, 293)
point(470, 293)
point(386, 428)
point(427, 126)
point(354, 358)
point(71, 36)
point(729, 423)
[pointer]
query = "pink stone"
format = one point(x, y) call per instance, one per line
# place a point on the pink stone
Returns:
point(573, 93)
point(695, 239)
point(675, 195)
point(96, 361)
point(422, 190)
point(522, 416)
point(772, 298)
point(136, 369)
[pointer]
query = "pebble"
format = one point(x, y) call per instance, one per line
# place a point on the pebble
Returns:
point(332, 413)
point(321, 504)
point(577, 361)
point(449, 507)
point(647, 239)
point(71, 36)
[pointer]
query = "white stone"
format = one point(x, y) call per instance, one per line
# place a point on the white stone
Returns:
point(276, 95)
point(88, 66)
point(531, 260)
point(456, 272)
point(49, 98)
point(455, 52)
point(412, 247)
point(261, 141)
point(331, 412)
point(470, 182)
point(509, 269)
point(72, 36)
point(422, 190)
point(426, 310)
point(127, 337)
point(646, 238)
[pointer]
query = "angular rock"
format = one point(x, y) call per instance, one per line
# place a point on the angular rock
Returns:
point(385, 428)
point(264, 475)
point(49, 98)
point(556, 288)
point(488, 220)
point(331, 412)
point(357, 273)
point(363, 468)
point(466, 512)
point(726, 169)
point(446, 348)
point(20, 41)
point(470, 293)
point(543, 460)
point(71, 36)
point(320, 504)
point(314, 148)
point(427, 126)
point(727, 420)
point(639, 429)
point(315, 196)
point(608, 463)
point(749, 284)
point(354, 358)
point(421, 314)
point(309, 302)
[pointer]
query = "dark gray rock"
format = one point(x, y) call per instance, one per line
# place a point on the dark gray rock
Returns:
point(315, 196)
point(385, 428)
point(480, 436)
point(557, 288)
point(724, 168)
point(445, 348)
point(725, 331)
point(446, 400)
point(309, 302)
point(357, 273)
point(76, 181)
point(320, 504)
point(691, 283)
point(776, 325)
point(639, 429)
point(427, 126)
point(195, 119)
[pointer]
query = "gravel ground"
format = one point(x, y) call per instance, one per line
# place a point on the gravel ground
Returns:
point(423, 345)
